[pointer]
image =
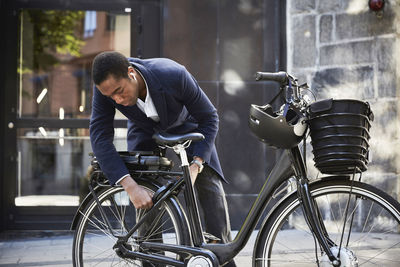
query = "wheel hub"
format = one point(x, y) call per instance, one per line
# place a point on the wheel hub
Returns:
point(199, 261)
point(347, 258)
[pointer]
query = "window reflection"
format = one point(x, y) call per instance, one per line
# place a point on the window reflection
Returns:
point(54, 162)
point(56, 51)
point(54, 66)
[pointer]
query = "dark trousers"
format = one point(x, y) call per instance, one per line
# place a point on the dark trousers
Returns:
point(213, 206)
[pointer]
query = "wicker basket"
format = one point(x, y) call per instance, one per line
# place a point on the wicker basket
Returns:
point(340, 134)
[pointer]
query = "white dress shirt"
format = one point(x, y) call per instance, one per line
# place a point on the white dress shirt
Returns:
point(148, 108)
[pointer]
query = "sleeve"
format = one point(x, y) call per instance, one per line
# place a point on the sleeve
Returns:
point(200, 108)
point(102, 136)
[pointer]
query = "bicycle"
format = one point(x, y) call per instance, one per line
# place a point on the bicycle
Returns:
point(335, 220)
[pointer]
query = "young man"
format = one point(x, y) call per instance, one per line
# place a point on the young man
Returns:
point(157, 95)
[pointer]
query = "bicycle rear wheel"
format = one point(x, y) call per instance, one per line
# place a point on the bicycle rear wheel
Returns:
point(93, 241)
point(372, 232)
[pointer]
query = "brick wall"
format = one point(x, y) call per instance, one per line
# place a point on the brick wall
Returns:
point(344, 50)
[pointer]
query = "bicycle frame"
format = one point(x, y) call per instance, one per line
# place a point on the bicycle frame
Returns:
point(285, 168)
point(290, 164)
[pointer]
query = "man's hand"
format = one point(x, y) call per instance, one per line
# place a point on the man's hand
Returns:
point(140, 197)
point(194, 170)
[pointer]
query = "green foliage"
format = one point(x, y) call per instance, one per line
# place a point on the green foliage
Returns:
point(54, 33)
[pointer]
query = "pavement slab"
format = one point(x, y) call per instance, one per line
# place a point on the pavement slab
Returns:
point(54, 248)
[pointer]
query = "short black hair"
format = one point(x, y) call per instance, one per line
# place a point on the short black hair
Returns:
point(109, 63)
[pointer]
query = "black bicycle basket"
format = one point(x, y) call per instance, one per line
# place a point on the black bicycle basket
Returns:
point(339, 135)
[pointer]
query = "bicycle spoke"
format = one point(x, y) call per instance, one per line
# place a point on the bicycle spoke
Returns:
point(305, 230)
point(350, 221)
point(283, 261)
point(105, 230)
point(372, 228)
point(367, 219)
point(380, 253)
point(94, 247)
point(123, 211)
point(100, 229)
point(99, 261)
point(381, 259)
point(297, 252)
point(332, 213)
point(117, 212)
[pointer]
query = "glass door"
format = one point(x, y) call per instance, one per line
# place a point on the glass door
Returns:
point(56, 48)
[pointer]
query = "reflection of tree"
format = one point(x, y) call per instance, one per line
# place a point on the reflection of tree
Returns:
point(54, 32)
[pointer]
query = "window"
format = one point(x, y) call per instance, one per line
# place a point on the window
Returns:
point(55, 87)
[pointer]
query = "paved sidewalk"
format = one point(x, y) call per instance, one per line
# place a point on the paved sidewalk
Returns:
point(54, 248)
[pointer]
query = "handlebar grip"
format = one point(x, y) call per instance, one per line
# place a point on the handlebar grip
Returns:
point(281, 77)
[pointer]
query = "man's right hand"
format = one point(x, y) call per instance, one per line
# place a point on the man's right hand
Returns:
point(140, 197)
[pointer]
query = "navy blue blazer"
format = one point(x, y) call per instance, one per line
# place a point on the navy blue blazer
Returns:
point(181, 105)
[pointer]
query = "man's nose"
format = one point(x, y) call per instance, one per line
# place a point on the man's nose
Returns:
point(118, 99)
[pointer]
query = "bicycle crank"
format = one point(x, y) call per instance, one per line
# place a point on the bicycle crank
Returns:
point(347, 258)
point(199, 261)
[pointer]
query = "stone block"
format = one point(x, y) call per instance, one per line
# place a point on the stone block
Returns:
point(302, 76)
point(347, 53)
point(387, 182)
point(328, 6)
point(354, 6)
point(326, 28)
point(365, 24)
point(386, 59)
point(303, 41)
point(301, 6)
point(385, 145)
point(353, 83)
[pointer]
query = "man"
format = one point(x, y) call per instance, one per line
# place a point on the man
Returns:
point(157, 95)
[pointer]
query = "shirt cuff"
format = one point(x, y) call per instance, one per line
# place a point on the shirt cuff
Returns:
point(120, 179)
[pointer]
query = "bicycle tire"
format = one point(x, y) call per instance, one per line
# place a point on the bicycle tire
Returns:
point(286, 240)
point(93, 242)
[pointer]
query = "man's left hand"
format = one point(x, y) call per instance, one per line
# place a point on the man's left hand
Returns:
point(194, 169)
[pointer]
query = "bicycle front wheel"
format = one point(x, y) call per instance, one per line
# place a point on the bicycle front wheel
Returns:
point(371, 236)
point(94, 239)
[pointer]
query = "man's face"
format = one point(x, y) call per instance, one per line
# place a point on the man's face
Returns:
point(123, 91)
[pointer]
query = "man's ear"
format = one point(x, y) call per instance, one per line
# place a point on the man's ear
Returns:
point(132, 72)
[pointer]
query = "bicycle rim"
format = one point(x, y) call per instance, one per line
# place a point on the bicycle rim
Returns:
point(94, 241)
point(372, 225)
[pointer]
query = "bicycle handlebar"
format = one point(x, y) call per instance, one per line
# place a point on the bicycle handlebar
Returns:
point(281, 77)
point(287, 83)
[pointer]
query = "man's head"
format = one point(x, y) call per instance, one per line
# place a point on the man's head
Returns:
point(109, 63)
point(115, 78)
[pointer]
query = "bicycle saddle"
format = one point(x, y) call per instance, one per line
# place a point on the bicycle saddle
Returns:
point(174, 139)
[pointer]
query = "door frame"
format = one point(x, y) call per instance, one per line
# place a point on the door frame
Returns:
point(51, 217)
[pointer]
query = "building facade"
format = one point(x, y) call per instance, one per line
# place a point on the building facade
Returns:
point(46, 90)
point(343, 49)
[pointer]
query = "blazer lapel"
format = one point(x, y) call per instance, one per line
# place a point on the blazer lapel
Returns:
point(157, 94)
point(161, 106)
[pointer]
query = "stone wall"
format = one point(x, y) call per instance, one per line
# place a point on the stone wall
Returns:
point(344, 50)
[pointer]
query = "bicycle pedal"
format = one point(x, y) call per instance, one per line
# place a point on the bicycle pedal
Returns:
point(210, 238)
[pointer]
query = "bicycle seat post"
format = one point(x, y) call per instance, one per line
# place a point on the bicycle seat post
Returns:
point(190, 197)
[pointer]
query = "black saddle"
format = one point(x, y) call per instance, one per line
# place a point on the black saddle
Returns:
point(174, 139)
